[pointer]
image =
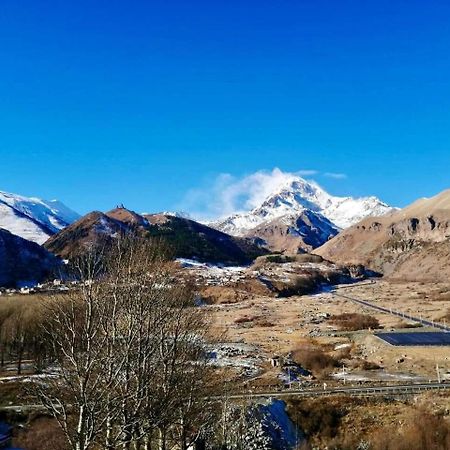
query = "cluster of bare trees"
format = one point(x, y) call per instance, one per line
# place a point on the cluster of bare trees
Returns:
point(124, 357)
point(21, 334)
point(128, 347)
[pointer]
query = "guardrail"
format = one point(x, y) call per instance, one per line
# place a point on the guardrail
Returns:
point(363, 391)
point(408, 389)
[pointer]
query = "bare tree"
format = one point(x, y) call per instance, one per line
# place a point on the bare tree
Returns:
point(20, 335)
point(74, 330)
point(129, 347)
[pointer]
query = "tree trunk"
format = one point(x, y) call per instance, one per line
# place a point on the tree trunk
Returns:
point(162, 439)
point(108, 440)
point(81, 441)
point(147, 442)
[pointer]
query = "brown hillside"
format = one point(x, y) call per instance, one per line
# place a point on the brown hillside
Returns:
point(187, 238)
point(413, 243)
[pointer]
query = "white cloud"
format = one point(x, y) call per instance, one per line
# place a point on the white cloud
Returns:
point(336, 176)
point(227, 194)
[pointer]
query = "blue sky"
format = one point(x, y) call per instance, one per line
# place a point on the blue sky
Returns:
point(139, 102)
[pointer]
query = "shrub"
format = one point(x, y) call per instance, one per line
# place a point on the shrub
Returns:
point(354, 321)
point(423, 431)
point(315, 360)
point(308, 258)
point(264, 323)
point(368, 365)
point(305, 284)
point(279, 259)
point(315, 417)
point(408, 325)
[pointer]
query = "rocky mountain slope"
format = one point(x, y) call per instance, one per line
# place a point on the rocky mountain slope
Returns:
point(32, 218)
point(189, 239)
point(23, 262)
point(299, 216)
point(413, 243)
point(294, 233)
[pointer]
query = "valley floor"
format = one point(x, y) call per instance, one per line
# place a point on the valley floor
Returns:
point(277, 326)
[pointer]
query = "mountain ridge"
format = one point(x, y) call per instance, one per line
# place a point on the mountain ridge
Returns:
point(32, 218)
point(189, 239)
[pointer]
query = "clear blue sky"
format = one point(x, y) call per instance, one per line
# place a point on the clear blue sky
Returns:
point(103, 102)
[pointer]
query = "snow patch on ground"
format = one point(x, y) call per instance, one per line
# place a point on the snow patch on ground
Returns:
point(213, 274)
point(377, 375)
point(244, 358)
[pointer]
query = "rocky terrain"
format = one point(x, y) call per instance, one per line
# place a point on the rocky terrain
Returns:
point(413, 243)
point(294, 233)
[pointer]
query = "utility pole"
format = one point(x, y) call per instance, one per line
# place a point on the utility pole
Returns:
point(438, 373)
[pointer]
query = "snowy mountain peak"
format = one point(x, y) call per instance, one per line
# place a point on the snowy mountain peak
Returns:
point(295, 195)
point(33, 218)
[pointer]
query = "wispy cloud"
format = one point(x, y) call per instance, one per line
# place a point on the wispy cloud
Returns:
point(227, 194)
point(336, 176)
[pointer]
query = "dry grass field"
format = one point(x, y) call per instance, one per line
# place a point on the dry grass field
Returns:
point(278, 326)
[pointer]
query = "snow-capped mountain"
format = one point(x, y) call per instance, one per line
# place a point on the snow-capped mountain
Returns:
point(296, 195)
point(293, 198)
point(32, 218)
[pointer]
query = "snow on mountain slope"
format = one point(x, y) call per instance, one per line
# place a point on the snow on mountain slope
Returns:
point(32, 218)
point(295, 195)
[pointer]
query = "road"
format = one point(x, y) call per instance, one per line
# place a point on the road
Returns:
point(403, 315)
point(403, 389)
point(359, 391)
